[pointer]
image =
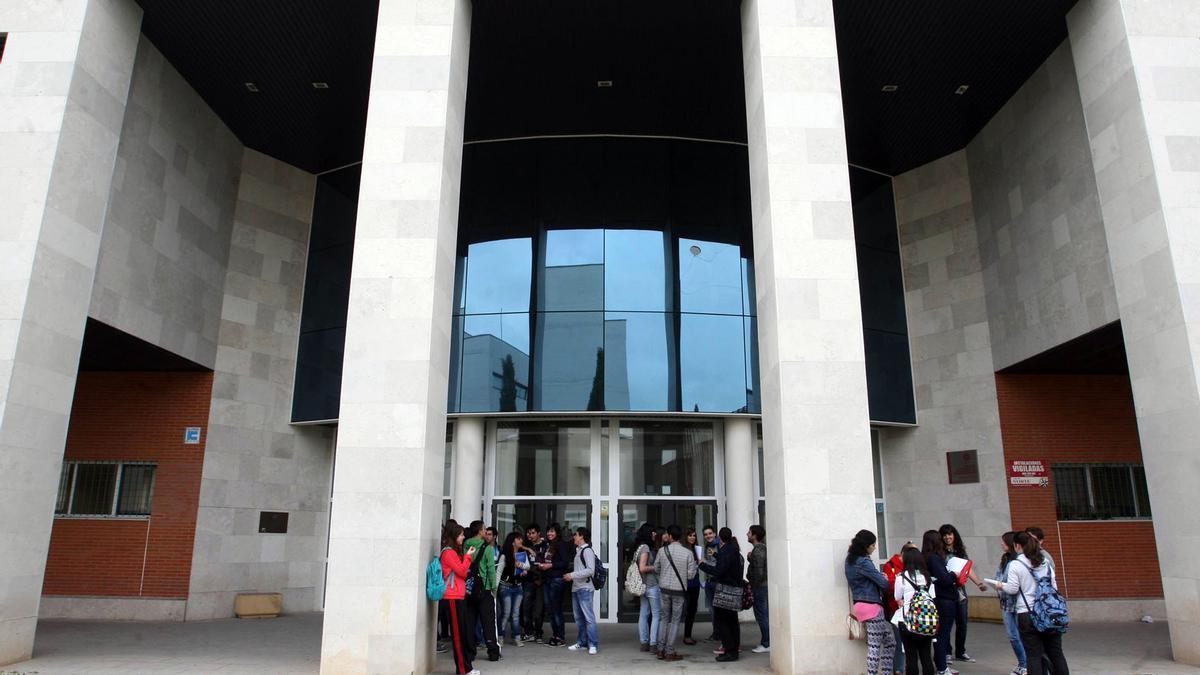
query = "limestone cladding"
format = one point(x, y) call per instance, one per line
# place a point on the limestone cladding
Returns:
point(64, 81)
point(392, 423)
point(1138, 69)
point(170, 215)
point(1041, 238)
point(952, 369)
point(814, 394)
point(254, 460)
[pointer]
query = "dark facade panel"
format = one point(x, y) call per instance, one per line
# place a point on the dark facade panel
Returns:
point(317, 389)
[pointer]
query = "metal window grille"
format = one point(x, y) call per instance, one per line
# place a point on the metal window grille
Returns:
point(1100, 491)
point(105, 489)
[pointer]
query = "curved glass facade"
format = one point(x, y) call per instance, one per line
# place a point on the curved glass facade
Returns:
point(628, 314)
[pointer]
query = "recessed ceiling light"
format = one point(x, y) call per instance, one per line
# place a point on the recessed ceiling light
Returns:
point(252, 87)
point(603, 84)
point(962, 89)
point(320, 85)
point(890, 87)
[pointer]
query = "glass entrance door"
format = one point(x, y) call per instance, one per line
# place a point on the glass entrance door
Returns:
point(684, 513)
point(512, 516)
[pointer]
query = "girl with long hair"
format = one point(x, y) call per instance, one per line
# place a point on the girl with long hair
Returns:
point(510, 570)
point(918, 649)
point(1021, 581)
point(867, 585)
point(455, 565)
point(1008, 606)
point(955, 548)
point(727, 573)
point(945, 583)
point(555, 565)
point(650, 604)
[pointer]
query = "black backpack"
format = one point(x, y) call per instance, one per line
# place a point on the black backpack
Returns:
point(474, 582)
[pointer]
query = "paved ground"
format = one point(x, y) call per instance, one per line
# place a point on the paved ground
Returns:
point(291, 644)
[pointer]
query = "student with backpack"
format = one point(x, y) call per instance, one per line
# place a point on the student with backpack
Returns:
point(1041, 611)
point(481, 587)
point(892, 569)
point(650, 603)
point(455, 565)
point(584, 570)
point(916, 614)
point(933, 548)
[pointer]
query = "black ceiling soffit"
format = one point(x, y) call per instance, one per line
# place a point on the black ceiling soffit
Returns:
point(108, 348)
point(928, 49)
point(1100, 352)
point(547, 67)
point(282, 49)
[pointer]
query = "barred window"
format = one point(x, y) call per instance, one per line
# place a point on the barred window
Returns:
point(105, 489)
point(1100, 491)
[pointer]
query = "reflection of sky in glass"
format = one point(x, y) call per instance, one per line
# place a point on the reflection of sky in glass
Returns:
point(710, 277)
point(498, 276)
point(711, 363)
point(574, 247)
point(635, 272)
point(640, 363)
point(510, 328)
point(748, 296)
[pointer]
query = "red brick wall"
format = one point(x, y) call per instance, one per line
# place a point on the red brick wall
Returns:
point(134, 416)
point(1078, 418)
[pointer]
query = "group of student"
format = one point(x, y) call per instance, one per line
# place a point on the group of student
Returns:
point(527, 575)
point(911, 607)
point(665, 575)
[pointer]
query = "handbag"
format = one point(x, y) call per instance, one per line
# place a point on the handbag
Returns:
point(747, 596)
point(635, 585)
point(728, 596)
point(854, 629)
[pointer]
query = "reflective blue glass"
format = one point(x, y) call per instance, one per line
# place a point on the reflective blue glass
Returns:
point(750, 327)
point(710, 277)
point(748, 296)
point(499, 275)
point(638, 360)
point(572, 277)
point(569, 361)
point(712, 368)
point(495, 363)
point(635, 271)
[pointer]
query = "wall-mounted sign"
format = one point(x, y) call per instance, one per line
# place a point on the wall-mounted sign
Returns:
point(963, 466)
point(191, 436)
point(1028, 472)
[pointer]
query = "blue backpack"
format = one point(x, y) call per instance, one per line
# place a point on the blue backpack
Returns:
point(435, 579)
point(1049, 610)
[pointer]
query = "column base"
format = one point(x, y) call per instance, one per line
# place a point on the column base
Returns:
point(16, 639)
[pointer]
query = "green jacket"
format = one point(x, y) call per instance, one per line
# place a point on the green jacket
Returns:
point(487, 564)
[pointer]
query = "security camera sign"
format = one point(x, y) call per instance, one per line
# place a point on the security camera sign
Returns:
point(1028, 472)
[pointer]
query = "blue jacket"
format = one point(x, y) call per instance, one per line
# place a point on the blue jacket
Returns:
point(867, 583)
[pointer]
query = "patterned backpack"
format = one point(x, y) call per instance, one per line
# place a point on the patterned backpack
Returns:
point(634, 583)
point(1049, 610)
point(920, 615)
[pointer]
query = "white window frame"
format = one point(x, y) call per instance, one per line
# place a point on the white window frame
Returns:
point(112, 514)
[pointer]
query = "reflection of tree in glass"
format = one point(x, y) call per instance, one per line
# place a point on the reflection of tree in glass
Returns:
point(596, 398)
point(508, 385)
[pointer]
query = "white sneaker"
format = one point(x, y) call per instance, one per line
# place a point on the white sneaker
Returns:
point(575, 647)
point(474, 672)
point(761, 649)
point(592, 651)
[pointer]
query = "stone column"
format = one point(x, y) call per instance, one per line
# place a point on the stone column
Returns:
point(64, 81)
point(387, 493)
point(466, 493)
point(814, 392)
point(741, 504)
point(1138, 70)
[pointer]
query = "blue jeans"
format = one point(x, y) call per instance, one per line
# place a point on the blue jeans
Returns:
point(585, 618)
point(960, 632)
point(554, 600)
point(510, 607)
point(898, 655)
point(761, 616)
point(649, 615)
point(1014, 637)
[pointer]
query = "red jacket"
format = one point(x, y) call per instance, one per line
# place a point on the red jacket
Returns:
point(455, 567)
point(892, 569)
